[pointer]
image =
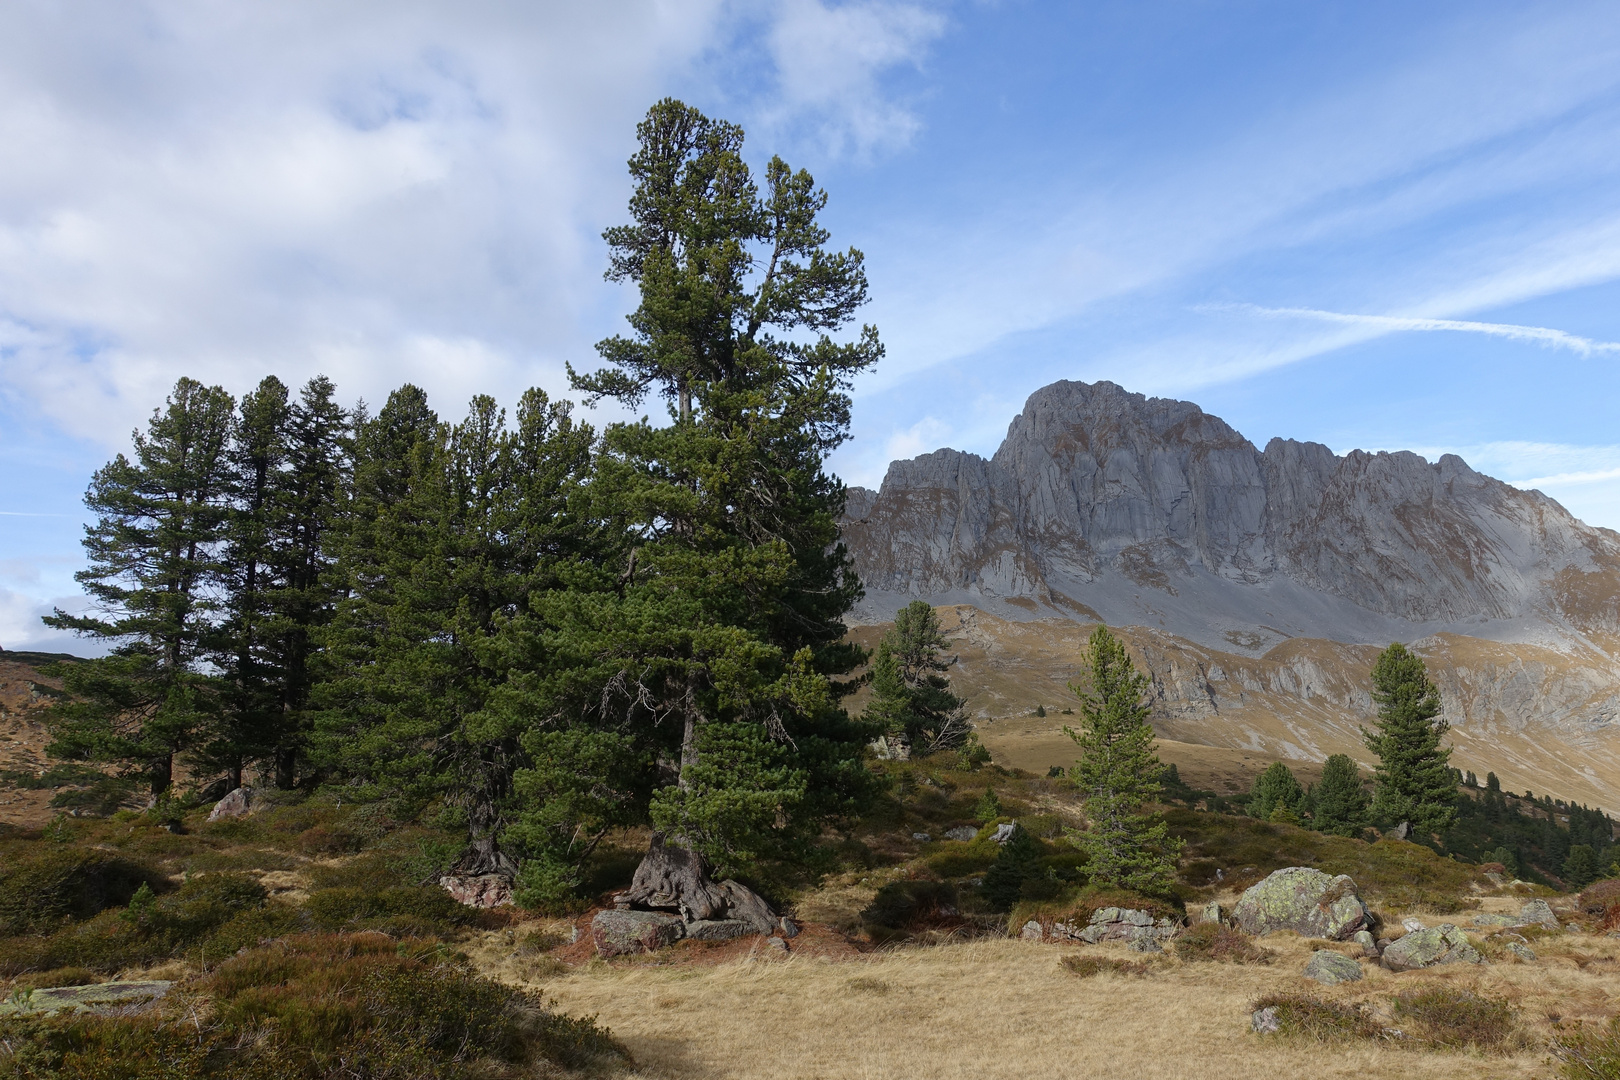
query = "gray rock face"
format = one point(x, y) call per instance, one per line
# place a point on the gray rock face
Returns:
point(1537, 913)
point(1443, 944)
point(1364, 938)
point(1331, 968)
point(109, 997)
point(239, 802)
point(1303, 900)
point(1104, 502)
point(480, 890)
point(717, 929)
point(961, 832)
point(618, 933)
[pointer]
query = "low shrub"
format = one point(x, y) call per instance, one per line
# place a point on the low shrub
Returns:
point(1318, 1018)
point(408, 909)
point(903, 907)
point(67, 976)
point(1078, 908)
point(1452, 1016)
point(1086, 965)
point(1600, 902)
point(1588, 1052)
point(1217, 942)
point(962, 859)
point(45, 889)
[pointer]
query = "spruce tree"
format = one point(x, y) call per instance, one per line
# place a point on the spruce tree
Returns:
point(722, 635)
point(1340, 804)
point(1414, 780)
point(154, 574)
point(1117, 772)
point(910, 696)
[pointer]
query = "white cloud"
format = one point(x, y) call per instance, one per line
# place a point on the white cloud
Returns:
point(829, 62)
point(1538, 335)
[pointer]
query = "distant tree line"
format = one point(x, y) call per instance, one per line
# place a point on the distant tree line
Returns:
point(535, 630)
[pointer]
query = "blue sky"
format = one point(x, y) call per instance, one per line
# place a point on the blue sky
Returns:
point(1372, 225)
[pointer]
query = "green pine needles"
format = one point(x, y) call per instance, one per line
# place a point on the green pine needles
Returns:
point(1117, 773)
point(910, 695)
point(1415, 781)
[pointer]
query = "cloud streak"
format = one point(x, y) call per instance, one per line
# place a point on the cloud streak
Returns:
point(1538, 335)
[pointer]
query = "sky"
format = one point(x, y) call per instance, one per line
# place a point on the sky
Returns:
point(1372, 225)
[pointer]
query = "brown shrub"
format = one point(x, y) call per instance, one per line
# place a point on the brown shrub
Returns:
point(1588, 1053)
point(1217, 942)
point(1452, 1016)
point(1600, 902)
point(1086, 966)
point(1318, 1018)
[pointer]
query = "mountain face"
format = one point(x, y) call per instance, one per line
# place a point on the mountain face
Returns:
point(1105, 504)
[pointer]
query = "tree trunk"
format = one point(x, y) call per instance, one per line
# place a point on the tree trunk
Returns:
point(162, 773)
point(673, 877)
point(286, 764)
point(483, 856)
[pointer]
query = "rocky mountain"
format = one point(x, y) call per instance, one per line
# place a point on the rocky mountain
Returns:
point(1256, 584)
point(1147, 511)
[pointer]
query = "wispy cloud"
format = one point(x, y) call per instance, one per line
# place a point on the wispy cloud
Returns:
point(1539, 335)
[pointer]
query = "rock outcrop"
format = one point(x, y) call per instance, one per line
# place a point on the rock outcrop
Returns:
point(1303, 900)
point(239, 802)
point(1331, 968)
point(1443, 944)
point(1151, 511)
point(619, 933)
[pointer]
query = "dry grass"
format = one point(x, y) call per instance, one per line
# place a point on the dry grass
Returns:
point(1006, 1008)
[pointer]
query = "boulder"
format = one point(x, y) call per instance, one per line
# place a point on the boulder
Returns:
point(788, 927)
point(1032, 931)
point(1118, 924)
point(1523, 952)
point(961, 832)
point(479, 890)
point(1443, 944)
point(921, 837)
point(108, 997)
point(1210, 913)
point(1004, 832)
point(238, 803)
point(1264, 1021)
point(1305, 901)
point(1364, 938)
point(1410, 924)
point(1144, 943)
point(1331, 968)
point(1537, 913)
point(717, 929)
point(1496, 922)
point(617, 933)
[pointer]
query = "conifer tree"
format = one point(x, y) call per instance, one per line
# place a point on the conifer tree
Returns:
point(722, 634)
point(1275, 788)
point(910, 696)
point(1415, 781)
point(154, 575)
point(1117, 772)
point(1340, 804)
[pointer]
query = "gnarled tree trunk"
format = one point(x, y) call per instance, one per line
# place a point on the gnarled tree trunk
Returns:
point(676, 878)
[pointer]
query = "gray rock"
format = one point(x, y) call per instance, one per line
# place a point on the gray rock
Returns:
point(1331, 968)
point(1488, 921)
point(1210, 913)
point(1443, 944)
point(1117, 924)
point(717, 929)
point(1410, 924)
point(238, 803)
point(1305, 901)
point(788, 928)
point(1032, 931)
point(1264, 1021)
point(922, 836)
point(108, 997)
point(1523, 952)
point(1004, 832)
point(1144, 943)
point(1538, 913)
point(891, 747)
point(961, 832)
point(776, 945)
point(480, 890)
point(618, 933)
point(1364, 938)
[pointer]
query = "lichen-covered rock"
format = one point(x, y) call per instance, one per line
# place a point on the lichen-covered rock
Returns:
point(1305, 901)
point(1492, 922)
point(479, 890)
point(617, 933)
point(240, 802)
point(108, 997)
point(1364, 938)
point(1210, 913)
point(1264, 1021)
point(1144, 943)
point(717, 929)
point(1331, 968)
point(1121, 924)
point(1443, 944)
point(1538, 913)
point(1523, 952)
point(961, 832)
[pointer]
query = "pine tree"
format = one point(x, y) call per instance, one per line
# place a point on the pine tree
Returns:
point(1117, 772)
point(1414, 775)
point(910, 696)
point(1340, 804)
point(722, 633)
point(1580, 866)
point(154, 574)
point(1275, 788)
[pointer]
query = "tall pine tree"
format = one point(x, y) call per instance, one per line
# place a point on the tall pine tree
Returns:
point(1117, 772)
point(1415, 782)
point(910, 695)
point(722, 636)
point(1339, 801)
point(154, 575)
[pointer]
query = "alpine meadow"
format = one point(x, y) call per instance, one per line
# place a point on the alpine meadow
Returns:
point(615, 735)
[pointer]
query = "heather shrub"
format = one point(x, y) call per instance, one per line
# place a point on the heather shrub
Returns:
point(409, 909)
point(1086, 965)
point(45, 889)
point(1588, 1052)
point(908, 906)
point(1318, 1018)
point(1217, 942)
point(1452, 1016)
